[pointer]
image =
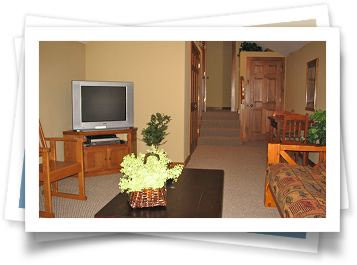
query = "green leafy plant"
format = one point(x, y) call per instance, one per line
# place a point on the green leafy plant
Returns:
point(155, 133)
point(316, 134)
point(249, 46)
point(138, 175)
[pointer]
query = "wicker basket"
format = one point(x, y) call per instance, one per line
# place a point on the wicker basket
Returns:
point(147, 198)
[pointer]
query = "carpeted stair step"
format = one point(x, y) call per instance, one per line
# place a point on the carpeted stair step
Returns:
point(233, 124)
point(226, 132)
point(220, 115)
point(220, 128)
point(219, 140)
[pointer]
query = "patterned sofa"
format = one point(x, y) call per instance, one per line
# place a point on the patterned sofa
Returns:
point(297, 191)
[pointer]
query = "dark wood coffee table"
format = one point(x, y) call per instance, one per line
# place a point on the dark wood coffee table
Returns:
point(198, 193)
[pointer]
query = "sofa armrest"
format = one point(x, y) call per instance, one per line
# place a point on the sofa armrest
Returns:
point(275, 150)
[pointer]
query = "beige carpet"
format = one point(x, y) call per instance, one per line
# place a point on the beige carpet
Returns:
point(99, 191)
point(244, 177)
point(243, 195)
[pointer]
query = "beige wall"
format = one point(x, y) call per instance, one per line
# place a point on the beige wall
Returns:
point(219, 58)
point(296, 77)
point(59, 64)
point(296, 80)
point(160, 72)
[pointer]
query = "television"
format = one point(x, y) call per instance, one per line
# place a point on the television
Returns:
point(99, 105)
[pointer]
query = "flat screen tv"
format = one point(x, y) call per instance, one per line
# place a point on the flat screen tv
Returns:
point(102, 105)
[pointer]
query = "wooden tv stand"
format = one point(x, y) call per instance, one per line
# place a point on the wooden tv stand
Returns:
point(101, 159)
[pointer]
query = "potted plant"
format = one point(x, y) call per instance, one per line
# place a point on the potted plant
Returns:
point(144, 178)
point(249, 46)
point(155, 133)
point(316, 134)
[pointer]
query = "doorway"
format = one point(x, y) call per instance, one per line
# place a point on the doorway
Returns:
point(220, 75)
point(198, 86)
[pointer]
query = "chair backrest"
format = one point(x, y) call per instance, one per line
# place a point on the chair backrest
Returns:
point(282, 112)
point(42, 138)
point(295, 126)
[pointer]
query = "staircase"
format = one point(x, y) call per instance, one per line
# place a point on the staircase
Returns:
point(220, 128)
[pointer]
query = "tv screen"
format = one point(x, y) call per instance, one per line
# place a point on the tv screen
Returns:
point(103, 103)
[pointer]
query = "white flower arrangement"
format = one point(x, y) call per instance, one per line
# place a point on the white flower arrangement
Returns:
point(138, 175)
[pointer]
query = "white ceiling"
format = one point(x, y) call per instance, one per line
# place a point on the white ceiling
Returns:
point(283, 47)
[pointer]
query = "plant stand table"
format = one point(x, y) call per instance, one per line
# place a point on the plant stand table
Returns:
point(198, 193)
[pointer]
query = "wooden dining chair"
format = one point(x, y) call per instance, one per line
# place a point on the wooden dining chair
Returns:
point(282, 112)
point(274, 134)
point(51, 171)
point(295, 126)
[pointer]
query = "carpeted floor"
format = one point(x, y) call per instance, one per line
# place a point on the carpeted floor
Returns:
point(244, 177)
point(99, 191)
point(243, 195)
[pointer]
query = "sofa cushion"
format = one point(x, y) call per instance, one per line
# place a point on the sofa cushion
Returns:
point(300, 192)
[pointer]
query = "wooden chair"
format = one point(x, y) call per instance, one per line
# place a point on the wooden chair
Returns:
point(274, 134)
point(282, 112)
point(295, 126)
point(52, 170)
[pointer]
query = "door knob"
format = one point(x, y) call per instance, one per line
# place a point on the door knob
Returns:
point(250, 105)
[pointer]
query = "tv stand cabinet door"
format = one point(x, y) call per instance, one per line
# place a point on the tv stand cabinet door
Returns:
point(115, 156)
point(94, 159)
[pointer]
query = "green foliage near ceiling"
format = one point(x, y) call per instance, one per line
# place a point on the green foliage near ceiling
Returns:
point(249, 46)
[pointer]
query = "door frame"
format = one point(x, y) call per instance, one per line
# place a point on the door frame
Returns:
point(203, 90)
point(197, 46)
point(233, 77)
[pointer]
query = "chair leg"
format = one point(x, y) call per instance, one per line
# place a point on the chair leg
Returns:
point(296, 156)
point(48, 199)
point(81, 181)
point(268, 198)
point(305, 156)
point(55, 187)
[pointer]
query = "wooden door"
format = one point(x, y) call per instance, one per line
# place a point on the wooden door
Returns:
point(195, 88)
point(264, 95)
